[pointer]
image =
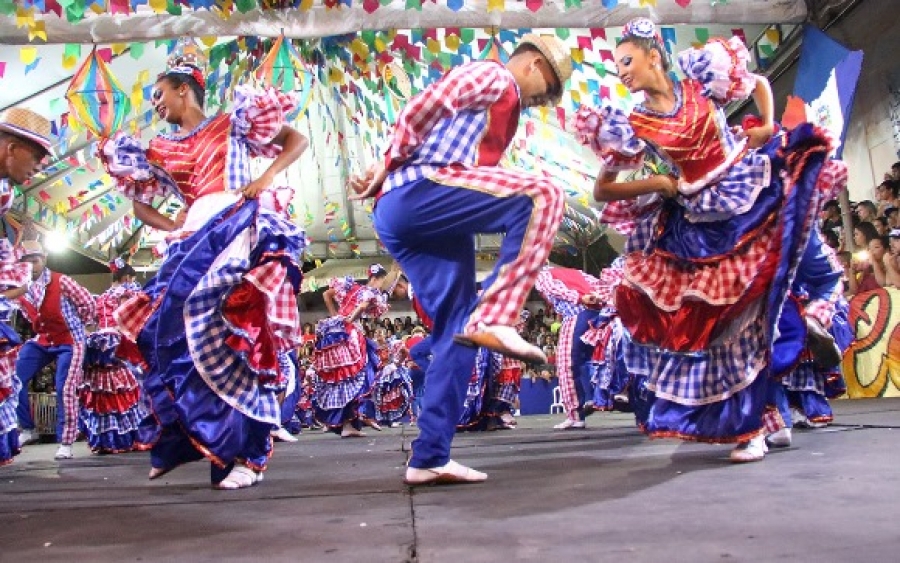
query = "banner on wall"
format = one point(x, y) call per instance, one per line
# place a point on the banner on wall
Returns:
point(871, 364)
point(826, 81)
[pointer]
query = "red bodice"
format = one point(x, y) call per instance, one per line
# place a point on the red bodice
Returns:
point(691, 138)
point(198, 161)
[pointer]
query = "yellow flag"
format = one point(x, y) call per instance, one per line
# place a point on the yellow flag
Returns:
point(27, 55)
point(158, 6)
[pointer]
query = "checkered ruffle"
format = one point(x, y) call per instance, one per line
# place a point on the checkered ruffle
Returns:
point(670, 281)
point(698, 378)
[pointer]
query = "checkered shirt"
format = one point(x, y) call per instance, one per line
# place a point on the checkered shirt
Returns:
point(351, 295)
point(565, 301)
point(446, 124)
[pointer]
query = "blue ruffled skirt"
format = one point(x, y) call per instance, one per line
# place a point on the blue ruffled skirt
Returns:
point(208, 399)
point(719, 393)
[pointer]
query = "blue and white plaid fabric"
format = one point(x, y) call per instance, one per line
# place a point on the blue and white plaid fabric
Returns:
point(806, 378)
point(120, 423)
point(328, 396)
point(704, 377)
point(226, 373)
point(8, 419)
point(449, 142)
point(506, 393)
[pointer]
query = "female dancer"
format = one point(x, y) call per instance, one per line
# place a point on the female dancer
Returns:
point(110, 397)
point(715, 237)
point(345, 360)
point(216, 323)
point(393, 391)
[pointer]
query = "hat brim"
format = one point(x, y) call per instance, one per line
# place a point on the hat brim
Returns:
point(30, 254)
point(26, 134)
point(539, 44)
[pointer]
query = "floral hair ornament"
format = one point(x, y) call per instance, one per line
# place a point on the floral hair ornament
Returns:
point(117, 265)
point(187, 58)
point(376, 269)
point(642, 27)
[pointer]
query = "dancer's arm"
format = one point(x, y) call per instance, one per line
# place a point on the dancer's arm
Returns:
point(292, 144)
point(330, 302)
point(762, 96)
point(607, 188)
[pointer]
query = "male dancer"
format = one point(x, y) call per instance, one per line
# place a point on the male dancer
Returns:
point(438, 186)
point(58, 308)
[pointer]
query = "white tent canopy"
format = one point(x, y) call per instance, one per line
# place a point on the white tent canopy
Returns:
point(320, 20)
point(348, 118)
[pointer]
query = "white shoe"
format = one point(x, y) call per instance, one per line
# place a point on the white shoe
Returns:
point(798, 418)
point(569, 424)
point(27, 437)
point(450, 474)
point(64, 452)
point(780, 439)
point(503, 339)
point(282, 435)
point(753, 450)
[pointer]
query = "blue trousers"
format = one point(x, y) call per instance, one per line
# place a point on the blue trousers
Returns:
point(581, 359)
point(430, 230)
point(33, 358)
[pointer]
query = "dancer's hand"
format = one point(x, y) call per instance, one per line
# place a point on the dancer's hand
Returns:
point(670, 186)
point(590, 299)
point(756, 136)
point(180, 218)
point(257, 186)
point(368, 185)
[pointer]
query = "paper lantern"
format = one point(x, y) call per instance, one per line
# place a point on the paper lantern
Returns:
point(96, 100)
point(283, 68)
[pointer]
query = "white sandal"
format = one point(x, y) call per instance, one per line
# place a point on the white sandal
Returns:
point(753, 450)
point(240, 477)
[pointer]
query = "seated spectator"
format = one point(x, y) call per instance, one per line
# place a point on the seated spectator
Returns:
point(881, 225)
point(893, 217)
point(887, 194)
point(863, 233)
point(831, 216)
point(878, 250)
point(892, 260)
point(866, 211)
point(832, 239)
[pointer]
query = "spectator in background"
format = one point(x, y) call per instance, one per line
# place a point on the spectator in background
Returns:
point(832, 239)
point(887, 194)
point(878, 250)
point(892, 260)
point(831, 216)
point(895, 172)
point(881, 225)
point(893, 217)
point(863, 233)
point(866, 211)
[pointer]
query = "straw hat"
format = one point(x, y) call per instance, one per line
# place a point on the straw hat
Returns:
point(28, 248)
point(27, 124)
point(556, 54)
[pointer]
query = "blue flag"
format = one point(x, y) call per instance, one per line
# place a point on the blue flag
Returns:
point(826, 81)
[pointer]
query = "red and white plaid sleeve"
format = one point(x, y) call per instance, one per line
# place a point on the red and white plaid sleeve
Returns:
point(471, 86)
point(554, 290)
point(80, 297)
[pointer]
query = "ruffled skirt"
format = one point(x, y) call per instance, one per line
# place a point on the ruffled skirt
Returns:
point(112, 405)
point(9, 394)
point(477, 407)
point(701, 303)
point(214, 328)
point(392, 394)
point(345, 363)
